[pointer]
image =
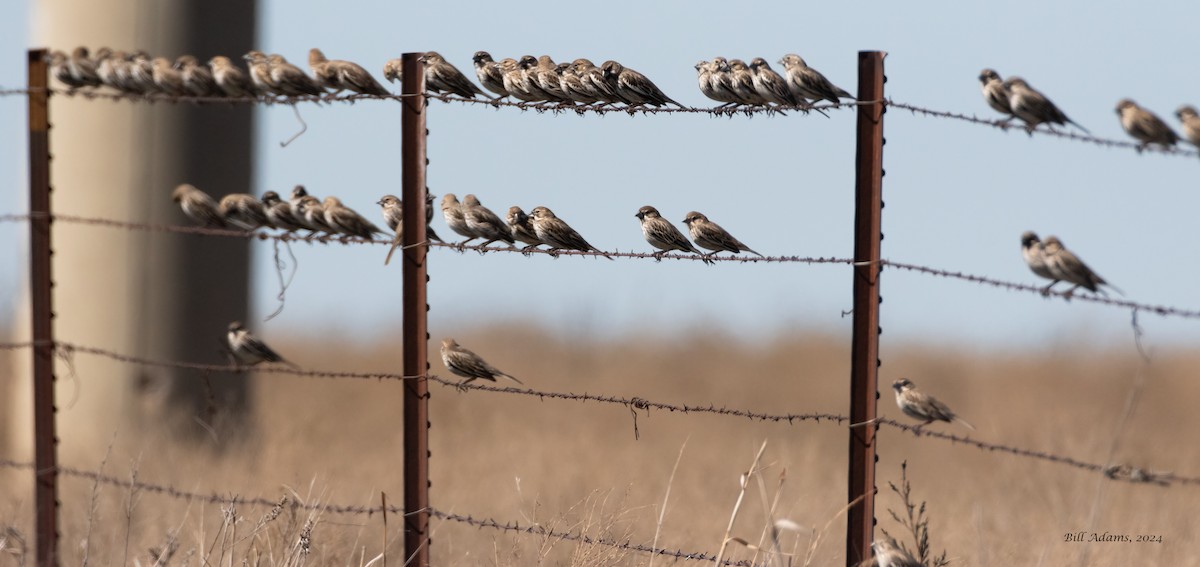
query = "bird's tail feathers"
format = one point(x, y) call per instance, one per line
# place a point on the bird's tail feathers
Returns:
point(513, 378)
point(964, 422)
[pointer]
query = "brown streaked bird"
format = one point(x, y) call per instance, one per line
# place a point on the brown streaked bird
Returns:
point(714, 84)
point(242, 211)
point(548, 79)
point(1191, 123)
point(249, 350)
point(393, 70)
point(634, 87)
point(198, 205)
point(61, 70)
point(279, 213)
point(661, 234)
point(530, 83)
point(83, 67)
point(557, 234)
point(575, 87)
point(889, 554)
point(230, 79)
point(124, 74)
point(741, 83)
point(290, 79)
point(1145, 126)
point(1033, 107)
point(1034, 254)
point(259, 68)
point(710, 235)
point(141, 72)
point(393, 214)
point(311, 213)
point(771, 86)
point(483, 222)
point(107, 68)
point(487, 70)
point(347, 221)
point(594, 82)
point(995, 93)
point(197, 79)
point(921, 406)
point(456, 219)
point(1064, 265)
point(442, 76)
point(514, 80)
point(469, 365)
point(298, 193)
point(168, 79)
point(522, 227)
point(339, 75)
point(808, 83)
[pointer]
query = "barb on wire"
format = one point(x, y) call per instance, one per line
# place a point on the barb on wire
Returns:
point(1162, 310)
point(535, 529)
point(1045, 131)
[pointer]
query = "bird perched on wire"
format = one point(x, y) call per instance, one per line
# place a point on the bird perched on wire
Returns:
point(1033, 107)
point(542, 73)
point(60, 69)
point(298, 193)
point(141, 72)
point(995, 93)
point(714, 84)
point(469, 365)
point(230, 79)
point(484, 223)
point(530, 82)
point(279, 213)
point(456, 219)
point(1191, 123)
point(259, 68)
point(922, 406)
point(393, 70)
point(197, 79)
point(1064, 265)
point(347, 221)
point(249, 350)
point(83, 67)
point(311, 213)
point(522, 228)
point(243, 211)
point(1145, 127)
point(594, 82)
point(890, 554)
point(393, 214)
point(635, 88)
point(557, 234)
point(1034, 253)
point(339, 75)
point(167, 78)
point(290, 80)
point(808, 83)
point(107, 68)
point(442, 76)
point(741, 82)
point(771, 86)
point(710, 235)
point(198, 206)
point(576, 87)
point(661, 234)
point(487, 70)
point(515, 82)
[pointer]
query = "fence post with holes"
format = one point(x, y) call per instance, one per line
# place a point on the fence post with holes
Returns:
point(42, 294)
point(415, 311)
point(864, 351)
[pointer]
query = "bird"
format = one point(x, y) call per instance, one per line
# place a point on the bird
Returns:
point(576, 87)
point(167, 78)
point(463, 362)
point(60, 69)
point(489, 74)
point(922, 406)
point(456, 218)
point(393, 214)
point(229, 78)
point(530, 81)
point(347, 221)
point(771, 86)
point(1144, 126)
point(661, 234)
point(484, 223)
point(141, 72)
point(198, 205)
point(710, 235)
point(393, 70)
point(592, 78)
point(557, 234)
point(83, 67)
point(242, 211)
point(110, 69)
point(741, 83)
point(634, 87)
point(259, 68)
point(311, 212)
point(1191, 123)
point(279, 213)
point(1034, 253)
point(995, 93)
point(549, 79)
point(442, 76)
point(1064, 265)
point(290, 80)
point(1033, 107)
point(249, 350)
point(889, 554)
point(513, 78)
point(198, 79)
point(806, 82)
point(713, 84)
point(339, 75)
point(522, 227)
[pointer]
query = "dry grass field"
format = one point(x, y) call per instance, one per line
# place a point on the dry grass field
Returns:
point(577, 467)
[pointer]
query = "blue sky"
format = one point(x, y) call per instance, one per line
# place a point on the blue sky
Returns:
point(958, 195)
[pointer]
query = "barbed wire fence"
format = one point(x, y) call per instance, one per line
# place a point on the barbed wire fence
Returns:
point(47, 347)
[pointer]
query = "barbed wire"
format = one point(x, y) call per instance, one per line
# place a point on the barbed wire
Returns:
point(1045, 131)
point(535, 529)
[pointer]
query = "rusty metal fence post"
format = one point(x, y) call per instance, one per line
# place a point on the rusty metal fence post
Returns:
point(864, 352)
point(41, 285)
point(415, 312)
